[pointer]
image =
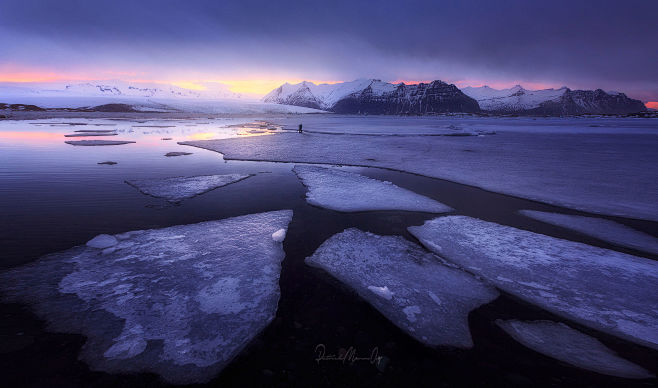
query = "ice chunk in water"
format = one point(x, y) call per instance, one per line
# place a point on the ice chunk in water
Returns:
point(350, 192)
point(180, 301)
point(178, 188)
point(606, 290)
point(279, 235)
point(102, 241)
point(561, 342)
point(97, 142)
point(398, 278)
point(602, 229)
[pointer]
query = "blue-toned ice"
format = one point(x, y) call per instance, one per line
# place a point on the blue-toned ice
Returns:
point(180, 301)
point(408, 285)
point(604, 289)
point(344, 191)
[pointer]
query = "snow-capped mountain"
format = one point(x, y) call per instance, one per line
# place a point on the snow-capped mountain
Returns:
point(372, 96)
point(553, 102)
point(120, 89)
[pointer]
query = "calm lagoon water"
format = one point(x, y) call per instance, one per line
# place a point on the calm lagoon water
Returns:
point(54, 196)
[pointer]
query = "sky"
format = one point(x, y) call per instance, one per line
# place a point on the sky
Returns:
point(255, 45)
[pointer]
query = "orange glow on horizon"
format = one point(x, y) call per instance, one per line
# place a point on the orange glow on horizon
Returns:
point(652, 104)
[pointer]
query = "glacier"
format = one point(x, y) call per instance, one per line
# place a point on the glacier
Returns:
point(602, 229)
point(606, 290)
point(176, 189)
point(409, 286)
point(181, 301)
point(563, 343)
point(345, 191)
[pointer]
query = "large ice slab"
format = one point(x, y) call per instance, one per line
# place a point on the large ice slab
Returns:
point(350, 192)
point(609, 169)
point(561, 342)
point(411, 287)
point(176, 189)
point(602, 229)
point(180, 301)
point(606, 290)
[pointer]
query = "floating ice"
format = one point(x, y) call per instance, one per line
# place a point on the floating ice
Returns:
point(279, 235)
point(102, 241)
point(602, 229)
point(606, 290)
point(398, 278)
point(180, 301)
point(178, 188)
point(349, 192)
point(85, 134)
point(560, 161)
point(97, 142)
point(561, 342)
point(177, 153)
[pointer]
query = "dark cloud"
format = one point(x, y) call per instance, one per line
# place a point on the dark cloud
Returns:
point(609, 44)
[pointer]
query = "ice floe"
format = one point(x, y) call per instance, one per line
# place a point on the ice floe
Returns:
point(177, 153)
point(344, 191)
point(404, 282)
point(180, 301)
point(176, 189)
point(563, 343)
point(97, 142)
point(86, 134)
point(555, 161)
point(602, 229)
point(604, 289)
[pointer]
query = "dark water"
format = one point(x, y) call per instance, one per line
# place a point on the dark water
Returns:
point(54, 196)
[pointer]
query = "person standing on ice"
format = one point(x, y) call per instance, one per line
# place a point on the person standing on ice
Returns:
point(300, 128)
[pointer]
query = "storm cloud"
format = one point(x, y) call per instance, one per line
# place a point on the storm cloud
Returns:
point(607, 44)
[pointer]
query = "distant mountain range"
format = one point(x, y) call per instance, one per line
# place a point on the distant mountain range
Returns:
point(372, 96)
point(362, 96)
point(116, 88)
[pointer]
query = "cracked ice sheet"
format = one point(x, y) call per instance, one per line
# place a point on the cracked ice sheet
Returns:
point(602, 229)
point(180, 301)
point(411, 287)
point(607, 173)
point(561, 342)
point(178, 188)
point(603, 289)
point(344, 191)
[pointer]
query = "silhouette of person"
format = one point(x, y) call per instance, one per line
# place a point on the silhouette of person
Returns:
point(300, 128)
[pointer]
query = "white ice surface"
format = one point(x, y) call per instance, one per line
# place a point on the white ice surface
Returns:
point(563, 343)
point(606, 290)
point(403, 281)
point(179, 301)
point(344, 191)
point(598, 165)
point(97, 142)
point(602, 229)
point(176, 189)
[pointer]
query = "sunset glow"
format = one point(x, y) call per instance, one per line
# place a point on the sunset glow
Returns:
point(652, 104)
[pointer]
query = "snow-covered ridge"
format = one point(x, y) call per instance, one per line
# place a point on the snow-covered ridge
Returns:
point(514, 98)
point(324, 96)
point(562, 101)
point(372, 96)
point(117, 88)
